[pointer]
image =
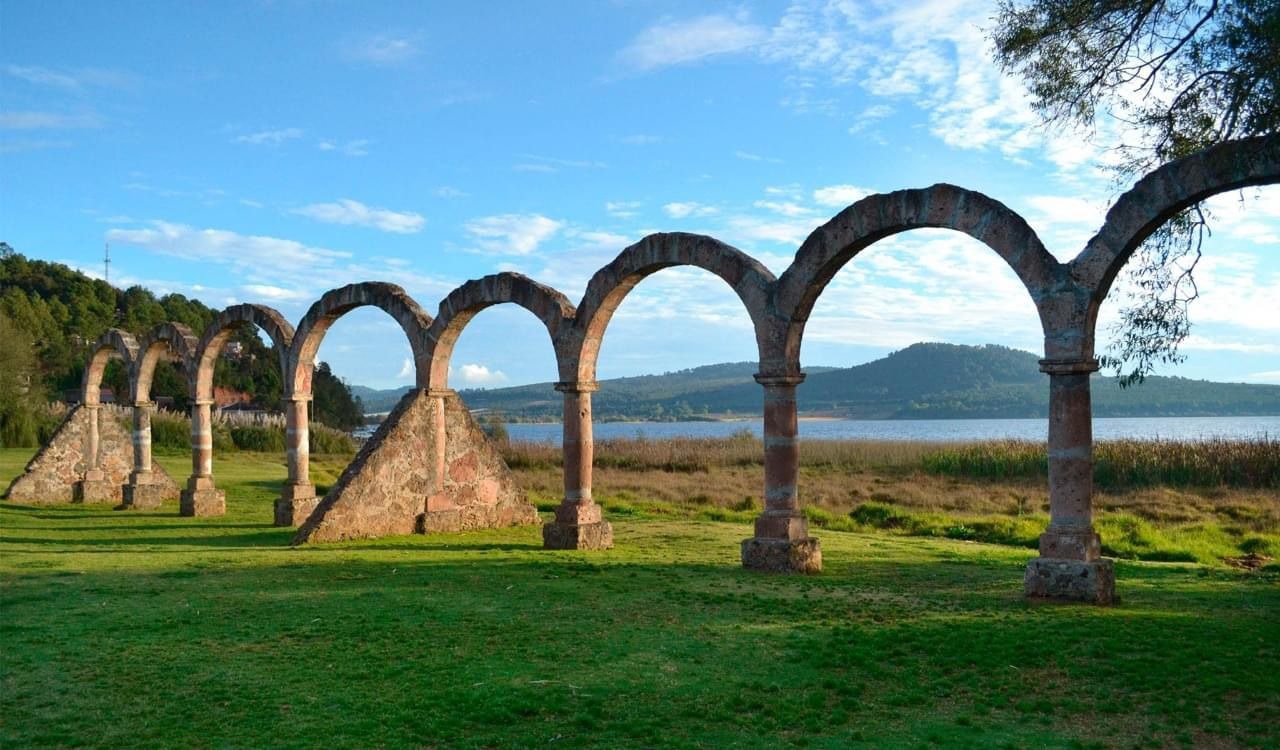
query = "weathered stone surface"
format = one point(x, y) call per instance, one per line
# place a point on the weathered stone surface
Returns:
point(598, 535)
point(52, 476)
point(294, 511)
point(392, 488)
point(210, 502)
point(146, 496)
point(782, 555)
point(1093, 582)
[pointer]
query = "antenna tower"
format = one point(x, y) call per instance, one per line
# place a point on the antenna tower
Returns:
point(106, 262)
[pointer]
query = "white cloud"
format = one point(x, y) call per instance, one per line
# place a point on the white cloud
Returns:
point(870, 116)
point(839, 196)
point(536, 163)
point(672, 42)
point(786, 208)
point(269, 137)
point(357, 147)
point(622, 209)
point(46, 121)
point(445, 191)
point(406, 370)
point(42, 76)
point(1058, 209)
point(639, 139)
point(275, 293)
point(683, 210)
point(511, 234)
point(784, 232)
point(259, 255)
point(347, 211)
point(1269, 376)
point(382, 49)
point(748, 156)
point(476, 375)
point(1202, 343)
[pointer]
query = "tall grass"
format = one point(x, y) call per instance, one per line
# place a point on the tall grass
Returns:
point(173, 430)
point(1119, 464)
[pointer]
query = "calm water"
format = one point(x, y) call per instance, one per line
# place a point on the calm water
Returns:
point(1166, 428)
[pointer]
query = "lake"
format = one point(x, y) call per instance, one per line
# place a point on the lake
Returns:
point(1104, 428)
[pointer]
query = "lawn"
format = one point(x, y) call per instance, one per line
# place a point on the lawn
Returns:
point(147, 629)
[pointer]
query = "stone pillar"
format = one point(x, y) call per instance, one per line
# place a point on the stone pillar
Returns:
point(94, 487)
point(298, 497)
point(579, 523)
point(201, 497)
point(142, 492)
point(1070, 566)
point(782, 543)
point(441, 512)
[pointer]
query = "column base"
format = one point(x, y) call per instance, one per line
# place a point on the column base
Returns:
point(1091, 582)
point(143, 496)
point(295, 504)
point(205, 502)
point(782, 555)
point(598, 535)
point(95, 491)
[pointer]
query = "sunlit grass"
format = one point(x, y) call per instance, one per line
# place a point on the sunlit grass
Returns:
point(147, 629)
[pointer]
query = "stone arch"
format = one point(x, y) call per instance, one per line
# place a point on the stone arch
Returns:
point(338, 302)
point(115, 342)
point(748, 278)
point(549, 306)
point(177, 341)
point(875, 217)
point(216, 335)
point(1158, 197)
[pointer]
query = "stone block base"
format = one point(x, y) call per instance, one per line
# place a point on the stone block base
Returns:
point(782, 555)
point(294, 511)
point(1092, 582)
point(95, 491)
point(206, 502)
point(143, 496)
point(597, 535)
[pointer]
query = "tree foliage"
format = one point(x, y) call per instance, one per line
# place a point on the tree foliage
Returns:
point(60, 312)
point(1182, 75)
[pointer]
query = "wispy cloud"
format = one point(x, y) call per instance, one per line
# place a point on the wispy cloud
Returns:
point(639, 139)
point(536, 163)
point(622, 209)
point(870, 116)
point(674, 42)
point(449, 192)
point(69, 80)
point(46, 121)
point(256, 255)
point(839, 196)
point(685, 209)
point(269, 137)
point(357, 147)
point(511, 234)
point(348, 211)
point(749, 156)
point(382, 49)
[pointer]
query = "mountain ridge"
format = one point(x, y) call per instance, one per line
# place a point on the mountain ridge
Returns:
point(921, 381)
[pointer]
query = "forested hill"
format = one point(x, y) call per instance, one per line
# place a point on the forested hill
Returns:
point(50, 314)
point(923, 381)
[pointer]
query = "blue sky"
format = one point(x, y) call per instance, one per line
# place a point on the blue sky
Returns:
point(268, 151)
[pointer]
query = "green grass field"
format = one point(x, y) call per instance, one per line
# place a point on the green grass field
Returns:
point(144, 629)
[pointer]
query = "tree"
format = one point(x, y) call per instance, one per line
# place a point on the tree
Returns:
point(20, 396)
point(1183, 75)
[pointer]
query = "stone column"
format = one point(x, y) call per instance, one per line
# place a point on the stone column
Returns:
point(201, 497)
point(94, 487)
point(441, 512)
point(1070, 566)
point(782, 543)
point(298, 497)
point(579, 523)
point(143, 491)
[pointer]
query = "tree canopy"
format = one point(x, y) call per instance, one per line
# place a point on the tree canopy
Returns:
point(1179, 76)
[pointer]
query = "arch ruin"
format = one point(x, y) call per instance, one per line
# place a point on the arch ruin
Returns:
point(1067, 298)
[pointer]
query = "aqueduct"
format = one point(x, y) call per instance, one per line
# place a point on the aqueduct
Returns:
point(428, 467)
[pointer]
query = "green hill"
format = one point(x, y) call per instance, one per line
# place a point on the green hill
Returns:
point(923, 381)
